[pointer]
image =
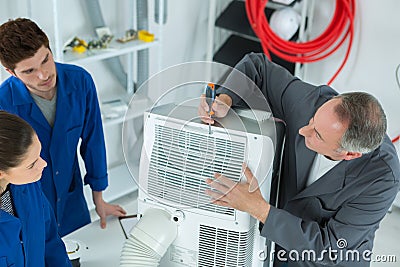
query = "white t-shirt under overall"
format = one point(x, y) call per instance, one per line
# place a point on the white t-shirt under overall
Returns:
point(320, 166)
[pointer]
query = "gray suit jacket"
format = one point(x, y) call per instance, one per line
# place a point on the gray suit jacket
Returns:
point(332, 221)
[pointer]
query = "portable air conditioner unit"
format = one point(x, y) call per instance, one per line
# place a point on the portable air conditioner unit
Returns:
point(178, 154)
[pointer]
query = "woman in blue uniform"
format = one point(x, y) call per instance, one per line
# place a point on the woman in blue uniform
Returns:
point(28, 230)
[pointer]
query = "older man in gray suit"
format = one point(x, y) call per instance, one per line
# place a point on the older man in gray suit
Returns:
point(340, 172)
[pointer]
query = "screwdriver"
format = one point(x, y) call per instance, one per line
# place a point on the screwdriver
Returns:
point(210, 98)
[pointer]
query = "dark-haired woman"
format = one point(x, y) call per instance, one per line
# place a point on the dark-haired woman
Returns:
point(28, 230)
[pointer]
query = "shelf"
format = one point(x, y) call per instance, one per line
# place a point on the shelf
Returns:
point(115, 49)
point(236, 47)
point(140, 106)
point(121, 119)
point(120, 182)
point(234, 18)
point(243, 39)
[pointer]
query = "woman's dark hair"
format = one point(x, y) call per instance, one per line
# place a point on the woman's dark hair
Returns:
point(16, 136)
point(20, 39)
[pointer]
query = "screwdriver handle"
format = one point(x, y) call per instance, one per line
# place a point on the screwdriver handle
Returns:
point(210, 97)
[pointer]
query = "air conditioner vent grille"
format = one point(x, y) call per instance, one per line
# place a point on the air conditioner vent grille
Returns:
point(221, 247)
point(182, 160)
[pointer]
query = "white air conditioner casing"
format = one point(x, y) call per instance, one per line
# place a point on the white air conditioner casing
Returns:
point(178, 155)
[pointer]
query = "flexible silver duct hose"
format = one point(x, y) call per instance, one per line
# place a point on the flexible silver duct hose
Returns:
point(149, 239)
point(142, 23)
point(157, 13)
point(143, 55)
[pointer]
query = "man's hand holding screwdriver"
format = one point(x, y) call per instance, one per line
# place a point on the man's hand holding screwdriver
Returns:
point(220, 106)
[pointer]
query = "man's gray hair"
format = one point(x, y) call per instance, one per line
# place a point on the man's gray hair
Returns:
point(366, 121)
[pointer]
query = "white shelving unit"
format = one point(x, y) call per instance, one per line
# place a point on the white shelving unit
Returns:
point(140, 105)
point(120, 180)
point(114, 49)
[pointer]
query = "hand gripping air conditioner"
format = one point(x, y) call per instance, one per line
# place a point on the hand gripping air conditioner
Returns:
point(178, 155)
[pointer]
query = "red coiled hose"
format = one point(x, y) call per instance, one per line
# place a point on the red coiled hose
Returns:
point(340, 27)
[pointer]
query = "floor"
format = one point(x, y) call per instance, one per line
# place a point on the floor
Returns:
point(387, 240)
